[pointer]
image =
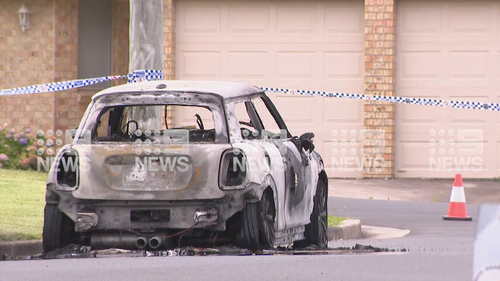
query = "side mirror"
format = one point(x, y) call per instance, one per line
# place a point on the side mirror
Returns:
point(306, 142)
point(73, 132)
point(70, 135)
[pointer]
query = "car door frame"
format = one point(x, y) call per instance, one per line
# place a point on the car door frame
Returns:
point(296, 212)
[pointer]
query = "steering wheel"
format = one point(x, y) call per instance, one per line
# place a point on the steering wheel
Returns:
point(249, 124)
point(127, 125)
point(199, 122)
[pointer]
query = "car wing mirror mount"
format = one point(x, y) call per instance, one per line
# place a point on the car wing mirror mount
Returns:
point(306, 142)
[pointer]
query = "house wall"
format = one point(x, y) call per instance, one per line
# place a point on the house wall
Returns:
point(380, 45)
point(66, 111)
point(27, 58)
point(48, 52)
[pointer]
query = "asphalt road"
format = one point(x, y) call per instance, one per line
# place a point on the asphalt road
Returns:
point(438, 250)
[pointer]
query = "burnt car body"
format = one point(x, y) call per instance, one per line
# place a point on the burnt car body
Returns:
point(127, 180)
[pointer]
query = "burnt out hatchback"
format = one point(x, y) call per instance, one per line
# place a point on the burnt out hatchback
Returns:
point(163, 164)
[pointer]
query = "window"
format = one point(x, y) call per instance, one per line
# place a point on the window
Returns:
point(269, 124)
point(129, 123)
point(247, 126)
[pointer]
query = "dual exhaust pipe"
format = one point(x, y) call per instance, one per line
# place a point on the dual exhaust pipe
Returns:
point(129, 241)
point(154, 242)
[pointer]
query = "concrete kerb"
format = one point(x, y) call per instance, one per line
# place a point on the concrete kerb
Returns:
point(20, 248)
point(346, 230)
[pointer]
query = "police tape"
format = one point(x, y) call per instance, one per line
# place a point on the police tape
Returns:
point(136, 76)
point(402, 100)
point(151, 74)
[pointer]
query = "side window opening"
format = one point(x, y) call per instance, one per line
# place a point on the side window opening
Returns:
point(248, 127)
point(270, 124)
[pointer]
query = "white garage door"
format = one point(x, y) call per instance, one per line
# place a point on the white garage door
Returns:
point(314, 45)
point(448, 50)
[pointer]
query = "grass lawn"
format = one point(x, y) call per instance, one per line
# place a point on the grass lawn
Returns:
point(22, 199)
point(333, 221)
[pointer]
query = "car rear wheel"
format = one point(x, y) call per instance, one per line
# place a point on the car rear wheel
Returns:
point(316, 230)
point(257, 230)
point(58, 229)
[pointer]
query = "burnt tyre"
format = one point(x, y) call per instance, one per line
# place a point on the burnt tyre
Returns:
point(257, 230)
point(58, 229)
point(316, 230)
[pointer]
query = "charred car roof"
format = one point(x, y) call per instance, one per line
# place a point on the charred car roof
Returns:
point(224, 90)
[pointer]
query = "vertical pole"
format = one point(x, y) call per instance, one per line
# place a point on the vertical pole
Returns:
point(146, 52)
point(146, 35)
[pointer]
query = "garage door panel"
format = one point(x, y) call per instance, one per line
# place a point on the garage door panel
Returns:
point(296, 18)
point(248, 65)
point(312, 45)
point(412, 115)
point(200, 65)
point(298, 110)
point(469, 64)
point(342, 111)
point(344, 18)
point(344, 156)
point(342, 65)
point(472, 17)
point(296, 64)
point(414, 156)
point(249, 20)
point(497, 68)
point(201, 19)
point(468, 117)
point(497, 162)
point(411, 19)
point(420, 64)
point(466, 36)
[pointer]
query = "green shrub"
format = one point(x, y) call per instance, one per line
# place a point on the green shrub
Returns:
point(20, 149)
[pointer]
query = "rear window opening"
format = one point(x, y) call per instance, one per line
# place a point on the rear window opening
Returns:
point(155, 124)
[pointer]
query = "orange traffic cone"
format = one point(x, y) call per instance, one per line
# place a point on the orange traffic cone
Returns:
point(457, 210)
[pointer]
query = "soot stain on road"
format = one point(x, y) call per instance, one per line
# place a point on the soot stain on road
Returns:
point(81, 252)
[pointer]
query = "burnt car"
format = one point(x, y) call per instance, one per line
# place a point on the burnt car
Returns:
point(228, 172)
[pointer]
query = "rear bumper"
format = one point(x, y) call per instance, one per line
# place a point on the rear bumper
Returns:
point(157, 215)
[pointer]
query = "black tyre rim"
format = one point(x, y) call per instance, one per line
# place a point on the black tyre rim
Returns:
point(267, 214)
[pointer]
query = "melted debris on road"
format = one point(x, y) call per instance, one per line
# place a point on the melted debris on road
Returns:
point(75, 251)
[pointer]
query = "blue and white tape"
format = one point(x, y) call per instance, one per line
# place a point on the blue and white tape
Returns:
point(419, 101)
point(136, 76)
point(151, 74)
point(145, 75)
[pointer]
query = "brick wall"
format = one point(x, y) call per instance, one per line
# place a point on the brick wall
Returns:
point(26, 59)
point(169, 38)
point(66, 62)
point(169, 47)
point(119, 45)
point(380, 41)
point(48, 52)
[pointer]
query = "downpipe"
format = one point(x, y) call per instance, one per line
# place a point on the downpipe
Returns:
point(129, 241)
